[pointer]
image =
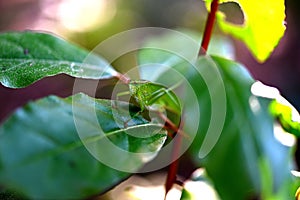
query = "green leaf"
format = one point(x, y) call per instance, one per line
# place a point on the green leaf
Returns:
point(263, 26)
point(247, 140)
point(287, 116)
point(234, 128)
point(280, 108)
point(9, 195)
point(26, 57)
point(48, 148)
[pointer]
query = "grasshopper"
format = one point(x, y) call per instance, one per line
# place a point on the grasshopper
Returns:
point(153, 97)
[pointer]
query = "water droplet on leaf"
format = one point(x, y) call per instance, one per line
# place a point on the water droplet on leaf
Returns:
point(76, 68)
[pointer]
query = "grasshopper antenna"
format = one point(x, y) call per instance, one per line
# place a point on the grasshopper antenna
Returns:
point(123, 78)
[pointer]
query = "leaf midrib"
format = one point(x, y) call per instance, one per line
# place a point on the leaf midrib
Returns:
point(74, 145)
point(47, 61)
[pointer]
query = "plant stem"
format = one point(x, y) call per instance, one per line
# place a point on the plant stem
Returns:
point(208, 27)
point(171, 176)
point(172, 172)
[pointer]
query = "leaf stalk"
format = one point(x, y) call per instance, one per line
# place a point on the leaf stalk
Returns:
point(209, 27)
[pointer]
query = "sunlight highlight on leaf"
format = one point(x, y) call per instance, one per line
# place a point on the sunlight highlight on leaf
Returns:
point(263, 26)
point(26, 57)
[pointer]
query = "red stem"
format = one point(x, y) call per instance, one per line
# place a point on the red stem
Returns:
point(209, 27)
point(171, 176)
point(172, 172)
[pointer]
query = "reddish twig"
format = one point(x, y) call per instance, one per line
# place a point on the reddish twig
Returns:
point(172, 172)
point(209, 27)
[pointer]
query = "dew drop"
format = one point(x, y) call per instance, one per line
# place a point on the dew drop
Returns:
point(76, 68)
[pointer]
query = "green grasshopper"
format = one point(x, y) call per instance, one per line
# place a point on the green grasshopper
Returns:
point(152, 97)
point(149, 94)
point(155, 97)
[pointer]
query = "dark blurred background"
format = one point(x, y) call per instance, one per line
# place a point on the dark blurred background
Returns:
point(89, 22)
